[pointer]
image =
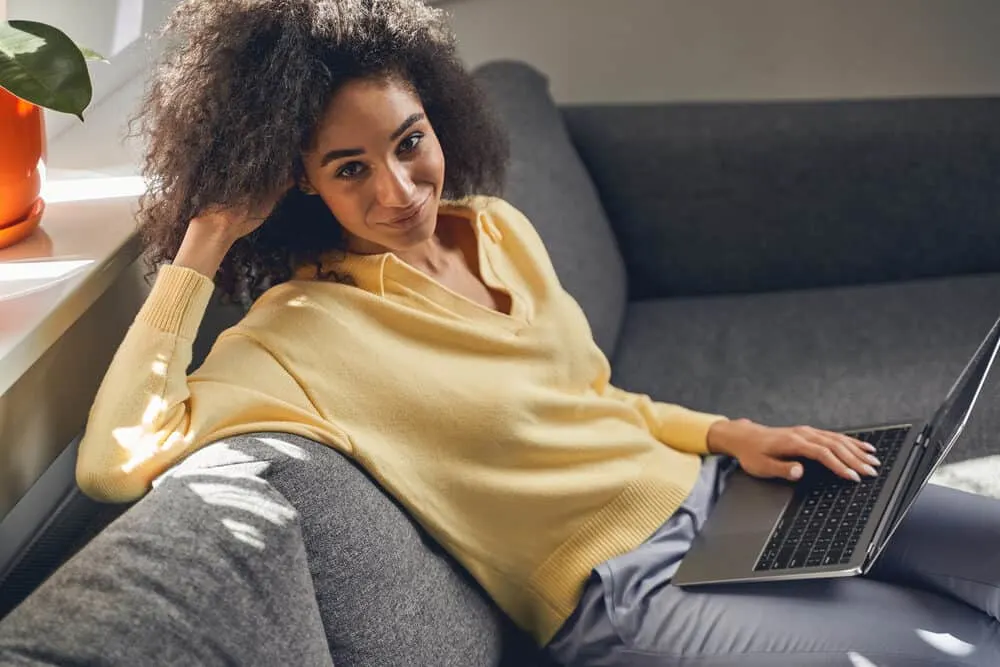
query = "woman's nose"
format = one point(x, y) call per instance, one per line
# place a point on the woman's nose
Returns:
point(393, 186)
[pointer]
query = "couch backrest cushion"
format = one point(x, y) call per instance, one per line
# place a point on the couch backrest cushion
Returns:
point(549, 184)
point(727, 197)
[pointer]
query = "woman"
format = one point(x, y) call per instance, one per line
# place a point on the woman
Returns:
point(328, 160)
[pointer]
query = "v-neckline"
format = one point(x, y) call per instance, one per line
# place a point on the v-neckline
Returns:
point(463, 239)
point(384, 272)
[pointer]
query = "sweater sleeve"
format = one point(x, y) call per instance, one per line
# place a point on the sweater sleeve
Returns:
point(148, 414)
point(673, 425)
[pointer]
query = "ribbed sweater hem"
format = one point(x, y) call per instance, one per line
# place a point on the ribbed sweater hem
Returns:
point(625, 523)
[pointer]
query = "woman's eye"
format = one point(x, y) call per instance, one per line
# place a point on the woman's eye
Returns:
point(410, 143)
point(350, 170)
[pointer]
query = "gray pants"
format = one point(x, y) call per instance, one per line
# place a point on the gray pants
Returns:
point(932, 599)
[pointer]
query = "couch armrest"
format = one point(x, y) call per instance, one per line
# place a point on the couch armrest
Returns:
point(263, 549)
point(207, 569)
point(715, 198)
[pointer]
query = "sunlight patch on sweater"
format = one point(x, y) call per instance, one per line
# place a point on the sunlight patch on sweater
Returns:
point(156, 407)
point(142, 445)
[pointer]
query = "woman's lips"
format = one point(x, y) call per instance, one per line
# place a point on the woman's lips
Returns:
point(410, 219)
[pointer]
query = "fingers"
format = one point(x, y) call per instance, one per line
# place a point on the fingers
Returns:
point(849, 452)
point(867, 446)
point(255, 209)
point(842, 455)
point(770, 467)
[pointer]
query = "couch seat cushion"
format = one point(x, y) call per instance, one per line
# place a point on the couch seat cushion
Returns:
point(837, 357)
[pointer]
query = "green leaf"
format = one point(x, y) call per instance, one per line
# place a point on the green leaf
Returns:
point(90, 55)
point(41, 65)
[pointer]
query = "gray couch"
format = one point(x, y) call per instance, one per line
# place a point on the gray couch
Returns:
point(829, 263)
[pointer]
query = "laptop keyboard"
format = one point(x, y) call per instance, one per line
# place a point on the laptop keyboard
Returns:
point(824, 521)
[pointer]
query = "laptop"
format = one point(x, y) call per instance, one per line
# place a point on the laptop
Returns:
point(824, 526)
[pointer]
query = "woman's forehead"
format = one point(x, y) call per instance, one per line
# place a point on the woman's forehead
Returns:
point(370, 103)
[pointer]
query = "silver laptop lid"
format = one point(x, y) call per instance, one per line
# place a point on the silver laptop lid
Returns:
point(943, 430)
point(947, 424)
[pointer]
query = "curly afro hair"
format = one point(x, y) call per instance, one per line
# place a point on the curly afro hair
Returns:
point(237, 98)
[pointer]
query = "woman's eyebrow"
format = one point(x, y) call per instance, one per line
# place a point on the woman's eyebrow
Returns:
point(405, 126)
point(339, 153)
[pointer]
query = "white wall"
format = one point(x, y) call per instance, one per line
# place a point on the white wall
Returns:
point(116, 29)
point(616, 50)
point(656, 50)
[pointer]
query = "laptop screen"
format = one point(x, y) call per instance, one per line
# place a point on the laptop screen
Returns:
point(944, 428)
point(950, 419)
point(948, 422)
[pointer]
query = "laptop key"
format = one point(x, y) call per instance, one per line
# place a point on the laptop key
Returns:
point(799, 558)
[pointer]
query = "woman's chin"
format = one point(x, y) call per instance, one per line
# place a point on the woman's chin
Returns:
point(420, 231)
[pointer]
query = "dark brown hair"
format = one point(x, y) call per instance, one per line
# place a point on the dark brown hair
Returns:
point(238, 96)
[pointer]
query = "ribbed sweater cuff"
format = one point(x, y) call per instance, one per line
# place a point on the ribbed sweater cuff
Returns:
point(687, 430)
point(177, 302)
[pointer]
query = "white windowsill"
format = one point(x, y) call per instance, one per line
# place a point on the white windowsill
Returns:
point(85, 241)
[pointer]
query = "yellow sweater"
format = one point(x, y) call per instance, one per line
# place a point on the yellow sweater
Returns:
point(499, 433)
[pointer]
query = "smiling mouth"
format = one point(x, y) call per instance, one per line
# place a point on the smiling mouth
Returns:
point(410, 217)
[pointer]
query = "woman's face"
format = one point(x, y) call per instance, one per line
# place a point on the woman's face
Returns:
point(378, 166)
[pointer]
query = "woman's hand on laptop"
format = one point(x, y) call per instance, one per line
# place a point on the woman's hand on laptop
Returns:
point(765, 451)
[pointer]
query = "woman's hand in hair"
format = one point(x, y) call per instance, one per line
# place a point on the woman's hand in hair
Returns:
point(213, 232)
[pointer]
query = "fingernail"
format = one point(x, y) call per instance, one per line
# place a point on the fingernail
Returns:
point(870, 471)
point(796, 472)
point(874, 461)
point(853, 474)
point(870, 447)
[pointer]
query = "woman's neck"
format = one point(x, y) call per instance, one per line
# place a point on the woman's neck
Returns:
point(433, 257)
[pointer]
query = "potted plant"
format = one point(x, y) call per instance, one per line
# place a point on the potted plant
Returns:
point(40, 66)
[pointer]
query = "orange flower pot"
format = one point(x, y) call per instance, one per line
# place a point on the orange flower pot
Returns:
point(22, 156)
